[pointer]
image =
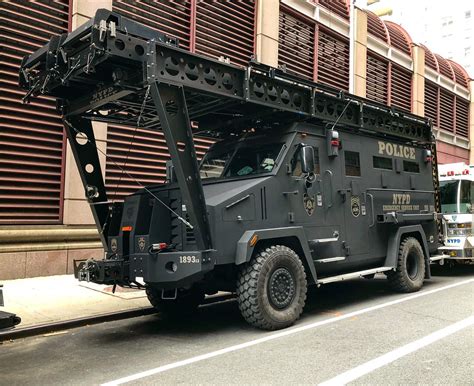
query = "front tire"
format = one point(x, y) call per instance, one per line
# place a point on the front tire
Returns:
point(410, 271)
point(271, 288)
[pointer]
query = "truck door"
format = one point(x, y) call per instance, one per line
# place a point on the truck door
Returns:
point(353, 196)
point(316, 207)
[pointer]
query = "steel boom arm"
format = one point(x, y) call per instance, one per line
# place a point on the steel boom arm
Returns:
point(84, 149)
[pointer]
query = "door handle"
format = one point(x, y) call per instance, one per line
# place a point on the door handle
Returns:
point(372, 212)
point(330, 187)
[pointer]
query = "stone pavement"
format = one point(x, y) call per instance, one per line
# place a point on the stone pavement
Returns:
point(43, 300)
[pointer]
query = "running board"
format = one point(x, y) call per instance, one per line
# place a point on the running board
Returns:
point(353, 275)
point(331, 259)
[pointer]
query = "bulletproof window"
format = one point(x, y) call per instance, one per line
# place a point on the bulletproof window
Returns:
point(352, 163)
point(383, 163)
point(296, 163)
point(466, 196)
point(411, 167)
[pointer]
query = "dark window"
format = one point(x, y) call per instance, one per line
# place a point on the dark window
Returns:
point(352, 163)
point(411, 167)
point(466, 196)
point(249, 159)
point(383, 163)
point(296, 163)
point(449, 196)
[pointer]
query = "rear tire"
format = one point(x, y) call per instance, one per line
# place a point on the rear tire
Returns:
point(186, 303)
point(410, 271)
point(271, 288)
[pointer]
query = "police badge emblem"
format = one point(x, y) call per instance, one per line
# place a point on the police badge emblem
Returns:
point(355, 206)
point(141, 244)
point(309, 204)
point(113, 245)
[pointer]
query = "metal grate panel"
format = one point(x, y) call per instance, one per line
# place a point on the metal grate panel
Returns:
point(462, 77)
point(170, 17)
point(462, 117)
point(446, 113)
point(296, 48)
point(226, 28)
point(339, 7)
point(444, 67)
point(377, 78)
point(333, 60)
point(398, 37)
point(400, 90)
point(430, 59)
point(31, 137)
point(376, 27)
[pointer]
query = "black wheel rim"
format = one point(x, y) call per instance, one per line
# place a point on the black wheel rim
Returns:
point(412, 265)
point(281, 288)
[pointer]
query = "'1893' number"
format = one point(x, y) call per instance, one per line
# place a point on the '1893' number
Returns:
point(188, 259)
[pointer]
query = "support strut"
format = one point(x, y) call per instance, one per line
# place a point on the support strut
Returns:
point(82, 141)
point(171, 108)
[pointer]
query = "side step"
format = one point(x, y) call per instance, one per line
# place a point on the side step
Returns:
point(438, 257)
point(353, 275)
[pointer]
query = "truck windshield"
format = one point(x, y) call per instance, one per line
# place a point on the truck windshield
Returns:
point(242, 159)
point(451, 190)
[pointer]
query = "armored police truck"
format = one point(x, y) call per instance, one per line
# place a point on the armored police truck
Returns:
point(305, 185)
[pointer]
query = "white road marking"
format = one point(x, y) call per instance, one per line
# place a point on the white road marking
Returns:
point(374, 364)
point(273, 336)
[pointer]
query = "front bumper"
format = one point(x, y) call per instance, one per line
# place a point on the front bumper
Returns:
point(457, 253)
point(163, 270)
point(458, 247)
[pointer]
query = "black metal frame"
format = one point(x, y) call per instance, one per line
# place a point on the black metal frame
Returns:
point(110, 63)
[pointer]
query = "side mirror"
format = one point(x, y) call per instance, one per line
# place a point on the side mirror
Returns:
point(307, 159)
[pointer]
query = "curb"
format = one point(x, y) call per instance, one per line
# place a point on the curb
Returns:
point(17, 333)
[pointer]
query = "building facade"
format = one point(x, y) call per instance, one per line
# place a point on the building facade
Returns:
point(45, 221)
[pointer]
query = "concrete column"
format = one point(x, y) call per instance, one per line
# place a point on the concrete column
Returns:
point(76, 207)
point(471, 123)
point(418, 87)
point(358, 71)
point(268, 12)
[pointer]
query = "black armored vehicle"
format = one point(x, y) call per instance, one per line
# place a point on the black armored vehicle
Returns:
point(305, 184)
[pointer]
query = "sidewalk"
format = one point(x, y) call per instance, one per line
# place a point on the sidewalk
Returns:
point(43, 300)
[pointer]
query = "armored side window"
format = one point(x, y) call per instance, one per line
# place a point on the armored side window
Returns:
point(383, 163)
point(411, 167)
point(352, 163)
point(296, 163)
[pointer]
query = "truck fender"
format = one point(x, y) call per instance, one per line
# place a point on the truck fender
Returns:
point(394, 243)
point(245, 250)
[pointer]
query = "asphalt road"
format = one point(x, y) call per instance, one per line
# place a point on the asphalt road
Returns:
point(351, 332)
